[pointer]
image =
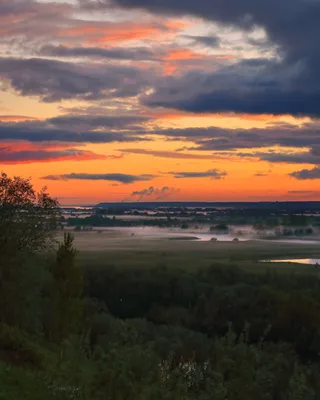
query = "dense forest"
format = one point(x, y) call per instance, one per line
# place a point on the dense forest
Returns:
point(104, 333)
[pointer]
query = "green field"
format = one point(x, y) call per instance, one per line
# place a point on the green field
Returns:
point(113, 248)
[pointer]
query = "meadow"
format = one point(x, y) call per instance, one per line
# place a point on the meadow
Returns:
point(120, 249)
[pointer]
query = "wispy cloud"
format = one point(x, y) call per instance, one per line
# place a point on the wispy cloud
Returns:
point(211, 41)
point(306, 174)
point(168, 154)
point(261, 174)
point(153, 193)
point(11, 156)
point(117, 177)
point(117, 53)
point(45, 131)
point(211, 173)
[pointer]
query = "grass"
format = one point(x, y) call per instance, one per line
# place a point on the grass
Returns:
point(123, 251)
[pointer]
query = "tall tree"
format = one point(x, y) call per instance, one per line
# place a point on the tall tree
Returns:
point(67, 291)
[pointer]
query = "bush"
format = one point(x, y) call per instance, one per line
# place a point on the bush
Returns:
point(17, 348)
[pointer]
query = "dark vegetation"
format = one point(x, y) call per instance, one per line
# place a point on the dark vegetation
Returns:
point(98, 220)
point(220, 228)
point(104, 333)
point(287, 221)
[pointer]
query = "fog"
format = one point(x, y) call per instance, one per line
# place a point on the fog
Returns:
point(202, 234)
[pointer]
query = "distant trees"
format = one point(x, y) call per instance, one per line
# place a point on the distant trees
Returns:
point(295, 220)
point(294, 232)
point(98, 220)
point(220, 228)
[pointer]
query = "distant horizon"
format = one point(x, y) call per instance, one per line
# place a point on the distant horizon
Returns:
point(186, 202)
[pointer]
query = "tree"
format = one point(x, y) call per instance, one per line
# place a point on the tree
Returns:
point(28, 220)
point(219, 228)
point(66, 291)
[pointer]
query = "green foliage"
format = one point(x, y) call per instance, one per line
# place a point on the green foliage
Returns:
point(28, 220)
point(20, 383)
point(67, 288)
point(21, 291)
point(208, 299)
point(17, 348)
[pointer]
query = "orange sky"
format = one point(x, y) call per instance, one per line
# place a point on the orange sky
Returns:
point(104, 65)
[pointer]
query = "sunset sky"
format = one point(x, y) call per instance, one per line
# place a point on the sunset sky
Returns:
point(207, 100)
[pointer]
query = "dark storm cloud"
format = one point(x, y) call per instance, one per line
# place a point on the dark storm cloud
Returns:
point(306, 174)
point(280, 18)
point(251, 86)
point(122, 178)
point(117, 53)
point(212, 173)
point(56, 80)
point(288, 84)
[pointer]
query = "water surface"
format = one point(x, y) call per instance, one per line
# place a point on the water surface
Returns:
point(171, 233)
point(310, 261)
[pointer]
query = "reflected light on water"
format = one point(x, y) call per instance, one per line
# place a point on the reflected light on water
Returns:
point(310, 261)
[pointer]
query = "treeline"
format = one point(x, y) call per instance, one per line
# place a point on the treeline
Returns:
point(294, 232)
point(269, 221)
point(68, 333)
point(101, 221)
point(267, 218)
point(300, 224)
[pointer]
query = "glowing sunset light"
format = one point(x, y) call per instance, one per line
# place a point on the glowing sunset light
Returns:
point(167, 94)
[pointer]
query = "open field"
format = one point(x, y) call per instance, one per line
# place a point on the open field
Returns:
point(119, 249)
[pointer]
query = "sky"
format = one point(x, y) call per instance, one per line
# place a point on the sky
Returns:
point(153, 100)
